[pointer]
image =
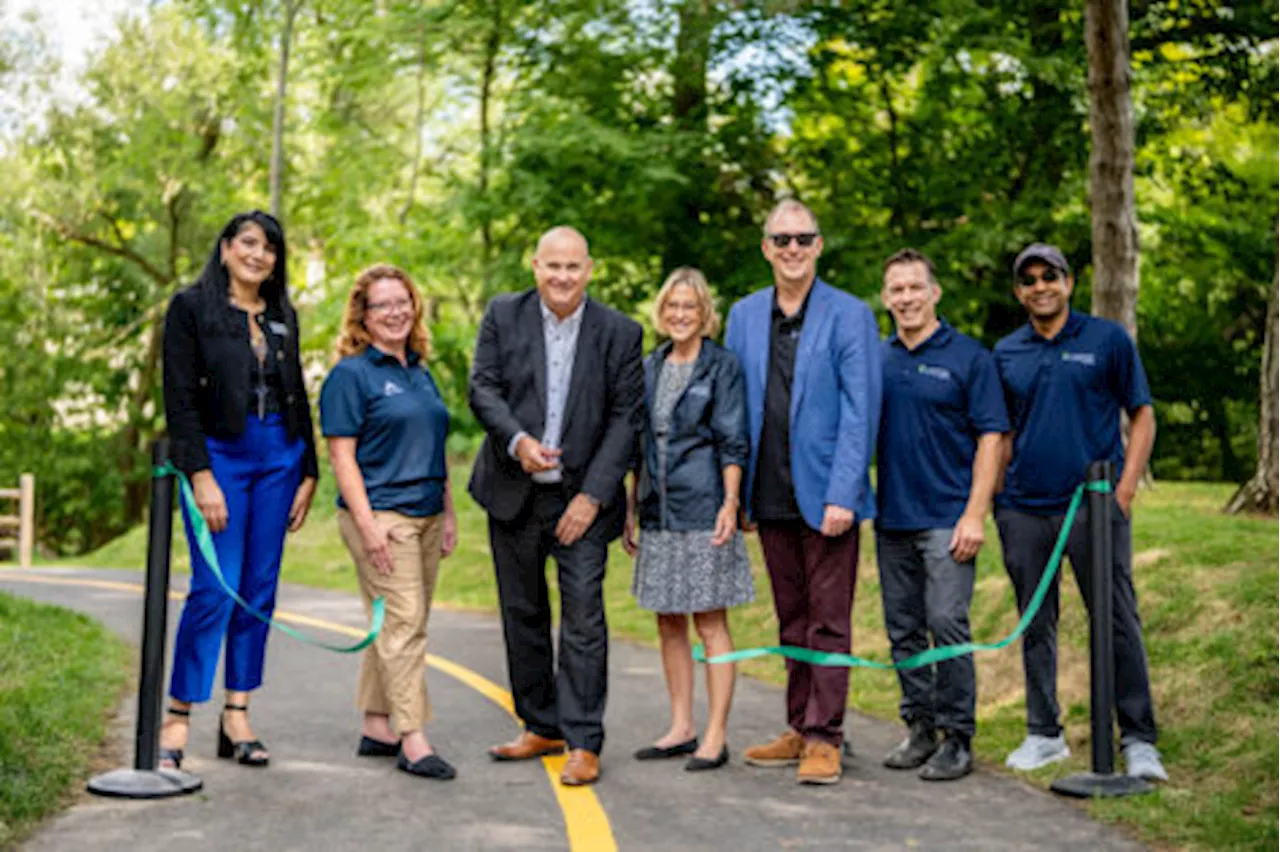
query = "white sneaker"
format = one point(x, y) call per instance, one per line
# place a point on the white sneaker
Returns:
point(1142, 760)
point(1037, 751)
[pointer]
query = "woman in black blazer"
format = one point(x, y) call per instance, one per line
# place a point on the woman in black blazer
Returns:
point(690, 558)
point(240, 427)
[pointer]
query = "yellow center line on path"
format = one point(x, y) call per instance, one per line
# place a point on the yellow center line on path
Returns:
point(586, 823)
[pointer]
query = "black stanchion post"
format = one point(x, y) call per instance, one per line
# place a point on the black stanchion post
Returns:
point(1102, 674)
point(144, 780)
point(1102, 781)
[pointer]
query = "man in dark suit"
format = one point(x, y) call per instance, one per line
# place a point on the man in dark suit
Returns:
point(557, 384)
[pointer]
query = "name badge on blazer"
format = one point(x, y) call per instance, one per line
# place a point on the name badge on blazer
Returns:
point(278, 328)
point(699, 390)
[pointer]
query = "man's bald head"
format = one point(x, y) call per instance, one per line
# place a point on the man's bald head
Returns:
point(562, 268)
point(563, 235)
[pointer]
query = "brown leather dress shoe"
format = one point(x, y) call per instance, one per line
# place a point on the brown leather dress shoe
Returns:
point(526, 747)
point(785, 750)
point(582, 767)
point(820, 763)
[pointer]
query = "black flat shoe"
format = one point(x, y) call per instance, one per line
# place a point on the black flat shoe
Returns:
point(660, 753)
point(431, 766)
point(700, 764)
point(369, 747)
point(244, 752)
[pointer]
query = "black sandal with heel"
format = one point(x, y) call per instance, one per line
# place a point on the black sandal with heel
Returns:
point(172, 755)
point(245, 752)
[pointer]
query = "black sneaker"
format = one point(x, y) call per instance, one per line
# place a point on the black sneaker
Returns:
point(953, 760)
point(921, 742)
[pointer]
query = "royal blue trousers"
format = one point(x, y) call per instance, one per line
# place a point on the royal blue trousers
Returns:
point(259, 474)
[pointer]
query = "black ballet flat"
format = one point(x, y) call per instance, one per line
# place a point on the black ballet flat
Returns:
point(369, 747)
point(701, 764)
point(245, 752)
point(431, 766)
point(660, 753)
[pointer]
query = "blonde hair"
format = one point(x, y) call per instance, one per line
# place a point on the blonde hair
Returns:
point(353, 337)
point(697, 282)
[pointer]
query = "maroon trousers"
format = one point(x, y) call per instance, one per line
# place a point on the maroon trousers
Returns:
point(813, 579)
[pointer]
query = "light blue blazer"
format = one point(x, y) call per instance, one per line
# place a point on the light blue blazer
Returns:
point(835, 396)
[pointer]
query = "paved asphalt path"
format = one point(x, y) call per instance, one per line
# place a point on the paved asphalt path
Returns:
point(317, 795)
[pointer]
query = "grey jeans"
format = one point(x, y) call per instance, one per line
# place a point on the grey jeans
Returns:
point(927, 593)
point(1028, 541)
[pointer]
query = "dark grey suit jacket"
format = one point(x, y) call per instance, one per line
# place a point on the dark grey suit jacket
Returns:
point(603, 411)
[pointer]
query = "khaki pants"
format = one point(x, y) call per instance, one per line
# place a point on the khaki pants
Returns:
point(392, 673)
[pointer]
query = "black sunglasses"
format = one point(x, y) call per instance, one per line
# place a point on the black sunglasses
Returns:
point(1049, 276)
point(803, 240)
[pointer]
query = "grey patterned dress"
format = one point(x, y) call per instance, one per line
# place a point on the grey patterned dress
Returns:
point(683, 572)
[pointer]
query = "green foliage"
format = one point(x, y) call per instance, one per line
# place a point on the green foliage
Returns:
point(445, 136)
point(61, 677)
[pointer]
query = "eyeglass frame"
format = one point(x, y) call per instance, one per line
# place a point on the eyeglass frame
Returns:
point(803, 239)
point(388, 306)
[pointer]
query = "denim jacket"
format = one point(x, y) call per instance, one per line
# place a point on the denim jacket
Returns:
point(708, 432)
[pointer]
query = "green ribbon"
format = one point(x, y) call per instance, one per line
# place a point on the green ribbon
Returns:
point(942, 652)
point(204, 542)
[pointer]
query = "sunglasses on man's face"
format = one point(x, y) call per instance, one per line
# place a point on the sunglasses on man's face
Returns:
point(803, 240)
point(1049, 276)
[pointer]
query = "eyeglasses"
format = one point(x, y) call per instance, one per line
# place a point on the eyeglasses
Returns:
point(803, 240)
point(1049, 276)
point(390, 306)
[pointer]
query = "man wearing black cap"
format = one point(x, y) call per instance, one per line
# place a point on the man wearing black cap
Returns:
point(1066, 378)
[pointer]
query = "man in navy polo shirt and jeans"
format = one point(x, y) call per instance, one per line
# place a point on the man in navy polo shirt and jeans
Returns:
point(1066, 378)
point(941, 430)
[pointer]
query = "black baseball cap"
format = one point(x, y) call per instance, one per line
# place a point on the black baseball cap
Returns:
point(1043, 252)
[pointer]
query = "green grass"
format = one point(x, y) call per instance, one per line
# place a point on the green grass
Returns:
point(60, 678)
point(1207, 591)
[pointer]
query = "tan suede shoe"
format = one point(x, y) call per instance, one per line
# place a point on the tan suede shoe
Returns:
point(582, 767)
point(820, 763)
point(526, 747)
point(783, 751)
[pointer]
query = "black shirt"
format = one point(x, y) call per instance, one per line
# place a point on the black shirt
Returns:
point(266, 383)
point(775, 493)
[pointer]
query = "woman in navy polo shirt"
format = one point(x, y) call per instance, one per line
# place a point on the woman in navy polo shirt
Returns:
point(386, 424)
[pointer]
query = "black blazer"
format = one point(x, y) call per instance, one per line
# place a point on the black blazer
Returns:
point(603, 408)
point(207, 390)
point(708, 432)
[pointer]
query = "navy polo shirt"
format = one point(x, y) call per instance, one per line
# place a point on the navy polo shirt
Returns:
point(400, 424)
point(1064, 397)
point(938, 399)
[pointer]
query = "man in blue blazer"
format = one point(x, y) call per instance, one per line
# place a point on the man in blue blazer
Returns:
point(810, 355)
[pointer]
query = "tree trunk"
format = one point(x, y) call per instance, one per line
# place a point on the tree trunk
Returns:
point(419, 115)
point(689, 113)
point(1259, 494)
point(291, 8)
point(1115, 224)
point(488, 77)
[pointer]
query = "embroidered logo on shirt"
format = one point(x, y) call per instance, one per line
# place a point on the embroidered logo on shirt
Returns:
point(1085, 358)
point(942, 374)
point(391, 389)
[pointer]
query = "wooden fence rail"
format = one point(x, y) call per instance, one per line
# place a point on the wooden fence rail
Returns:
point(23, 524)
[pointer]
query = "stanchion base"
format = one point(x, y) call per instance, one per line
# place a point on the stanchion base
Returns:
point(144, 784)
point(1090, 785)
